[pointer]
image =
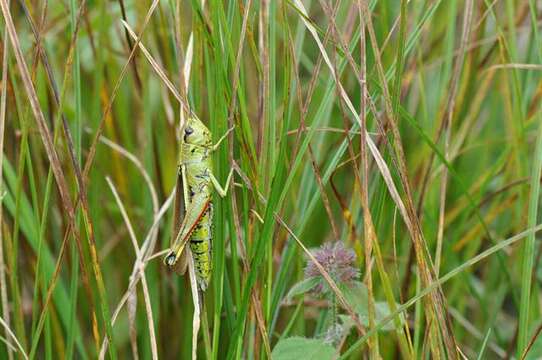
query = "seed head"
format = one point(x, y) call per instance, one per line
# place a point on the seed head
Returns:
point(338, 261)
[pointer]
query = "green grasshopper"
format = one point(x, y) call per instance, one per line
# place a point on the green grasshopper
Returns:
point(195, 183)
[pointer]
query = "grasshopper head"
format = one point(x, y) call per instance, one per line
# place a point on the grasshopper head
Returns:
point(195, 133)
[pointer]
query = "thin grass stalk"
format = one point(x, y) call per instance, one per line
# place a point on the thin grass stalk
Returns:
point(77, 147)
point(528, 251)
point(3, 100)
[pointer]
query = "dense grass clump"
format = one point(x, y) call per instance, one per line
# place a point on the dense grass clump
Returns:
point(387, 158)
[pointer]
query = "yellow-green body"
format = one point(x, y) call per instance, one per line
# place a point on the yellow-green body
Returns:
point(195, 172)
point(197, 162)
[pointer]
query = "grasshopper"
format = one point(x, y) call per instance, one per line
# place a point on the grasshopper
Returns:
point(195, 184)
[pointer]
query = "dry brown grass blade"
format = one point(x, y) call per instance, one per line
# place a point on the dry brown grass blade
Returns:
point(436, 300)
point(144, 285)
point(370, 238)
point(529, 346)
point(362, 179)
point(480, 96)
point(139, 266)
point(49, 145)
point(132, 299)
point(157, 68)
point(447, 125)
point(109, 106)
point(81, 178)
point(38, 114)
point(43, 129)
point(59, 98)
point(132, 309)
point(260, 320)
point(303, 110)
point(361, 182)
point(9, 346)
point(196, 300)
point(82, 196)
point(43, 53)
point(537, 67)
point(235, 81)
point(312, 83)
point(12, 335)
point(131, 157)
point(188, 57)
point(323, 194)
point(52, 285)
point(149, 243)
point(131, 47)
point(3, 100)
point(383, 167)
point(371, 145)
point(325, 198)
point(263, 84)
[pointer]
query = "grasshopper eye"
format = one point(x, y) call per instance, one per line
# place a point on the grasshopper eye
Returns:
point(188, 130)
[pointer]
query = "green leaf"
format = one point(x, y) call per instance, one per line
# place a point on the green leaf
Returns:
point(303, 287)
point(296, 348)
point(357, 296)
point(383, 311)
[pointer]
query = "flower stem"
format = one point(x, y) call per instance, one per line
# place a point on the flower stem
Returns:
point(334, 309)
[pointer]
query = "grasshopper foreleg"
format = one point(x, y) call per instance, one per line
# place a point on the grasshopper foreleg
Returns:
point(215, 146)
point(222, 191)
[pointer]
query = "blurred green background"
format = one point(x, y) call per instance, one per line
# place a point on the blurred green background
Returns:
point(449, 92)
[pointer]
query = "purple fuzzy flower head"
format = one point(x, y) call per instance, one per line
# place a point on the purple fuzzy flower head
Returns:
point(339, 262)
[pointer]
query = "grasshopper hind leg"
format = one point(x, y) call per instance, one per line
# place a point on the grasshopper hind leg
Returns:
point(170, 259)
point(175, 263)
point(173, 260)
